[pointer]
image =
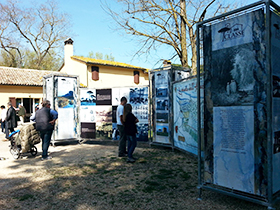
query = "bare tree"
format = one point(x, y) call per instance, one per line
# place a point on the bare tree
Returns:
point(40, 29)
point(168, 22)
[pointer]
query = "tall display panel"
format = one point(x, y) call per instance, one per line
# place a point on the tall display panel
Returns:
point(239, 53)
point(62, 92)
point(161, 102)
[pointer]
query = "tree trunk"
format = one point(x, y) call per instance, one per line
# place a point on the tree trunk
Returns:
point(193, 46)
point(184, 52)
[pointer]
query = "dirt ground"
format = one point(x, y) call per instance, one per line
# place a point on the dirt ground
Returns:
point(90, 176)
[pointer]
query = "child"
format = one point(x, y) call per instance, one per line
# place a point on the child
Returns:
point(130, 130)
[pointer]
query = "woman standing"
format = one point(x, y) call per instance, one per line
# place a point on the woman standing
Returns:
point(130, 130)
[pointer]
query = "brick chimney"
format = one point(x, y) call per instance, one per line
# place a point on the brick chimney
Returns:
point(68, 52)
point(166, 64)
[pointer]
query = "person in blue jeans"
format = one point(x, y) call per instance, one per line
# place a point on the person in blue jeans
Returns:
point(45, 119)
point(130, 130)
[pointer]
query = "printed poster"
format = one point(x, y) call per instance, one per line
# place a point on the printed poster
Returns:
point(162, 105)
point(232, 32)
point(118, 93)
point(88, 130)
point(234, 147)
point(138, 98)
point(88, 105)
point(103, 97)
point(103, 119)
point(49, 90)
point(185, 114)
point(66, 103)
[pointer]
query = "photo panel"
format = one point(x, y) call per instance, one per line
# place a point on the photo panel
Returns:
point(103, 97)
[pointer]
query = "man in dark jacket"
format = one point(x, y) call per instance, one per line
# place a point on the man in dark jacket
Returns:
point(45, 119)
point(11, 122)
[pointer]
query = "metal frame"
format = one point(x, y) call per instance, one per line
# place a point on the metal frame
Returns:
point(271, 198)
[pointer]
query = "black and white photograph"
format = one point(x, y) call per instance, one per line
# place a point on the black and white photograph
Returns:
point(276, 86)
point(232, 79)
point(142, 131)
point(88, 130)
point(103, 97)
point(162, 104)
point(162, 117)
point(103, 114)
point(138, 96)
point(162, 92)
point(161, 78)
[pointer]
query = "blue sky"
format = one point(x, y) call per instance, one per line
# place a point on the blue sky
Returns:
point(93, 31)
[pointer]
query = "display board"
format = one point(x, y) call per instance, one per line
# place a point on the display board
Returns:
point(62, 92)
point(185, 114)
point(235, 94)
point(87, 112)
point(98, 111)
point(162, 83)
point(66, 106)
point(138, 98)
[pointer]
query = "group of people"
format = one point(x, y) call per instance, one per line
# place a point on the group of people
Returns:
point(126, 123)
point(45, 119)
point(9, 118)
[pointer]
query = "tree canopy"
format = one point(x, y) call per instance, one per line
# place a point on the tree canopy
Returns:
point(99, 55)
point(166, 22)
point(31, 37)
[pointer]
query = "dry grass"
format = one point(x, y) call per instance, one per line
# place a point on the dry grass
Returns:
point(90, 176)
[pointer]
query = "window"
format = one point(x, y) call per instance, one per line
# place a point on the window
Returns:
point(95, 73)
point(136, 77)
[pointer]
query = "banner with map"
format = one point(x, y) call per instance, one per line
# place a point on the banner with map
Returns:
point(185, 114)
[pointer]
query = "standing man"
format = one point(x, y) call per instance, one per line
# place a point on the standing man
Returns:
point(10, 120)
point(21, 113)
point(3, 117)
point(45, 119)
point(122, 142)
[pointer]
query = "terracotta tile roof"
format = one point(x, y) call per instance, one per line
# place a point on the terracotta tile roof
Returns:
point(106, 63)
point(26, 77)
